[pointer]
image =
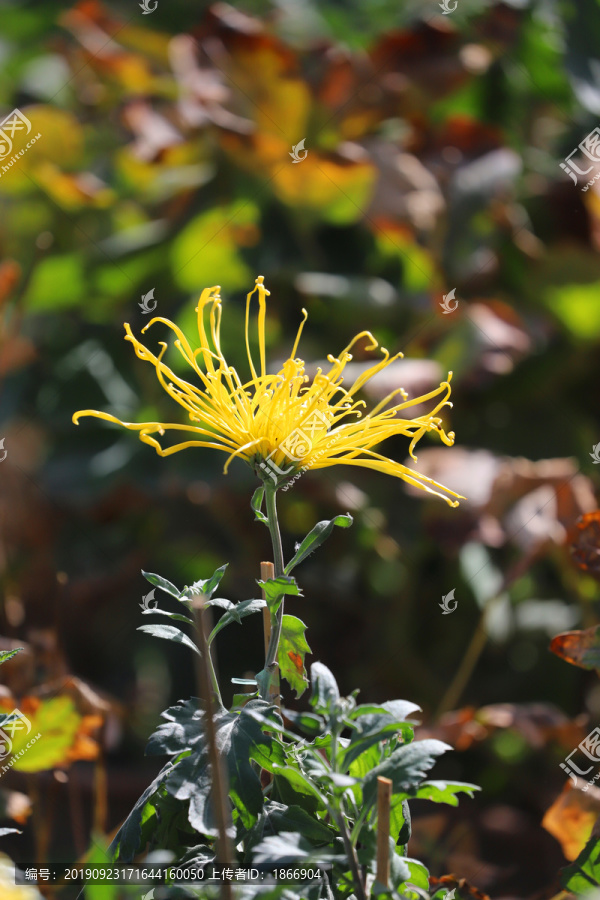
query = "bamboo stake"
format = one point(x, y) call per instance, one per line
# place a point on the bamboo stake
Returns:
point(384, 798)
point(220, 792)
point(267, 570)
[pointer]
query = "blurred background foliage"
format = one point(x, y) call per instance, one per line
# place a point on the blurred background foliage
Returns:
point(434, 143)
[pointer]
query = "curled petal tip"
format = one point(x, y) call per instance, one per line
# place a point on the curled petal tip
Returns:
point(259, 279)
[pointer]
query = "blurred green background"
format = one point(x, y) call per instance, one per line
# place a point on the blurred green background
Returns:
point(434, 148)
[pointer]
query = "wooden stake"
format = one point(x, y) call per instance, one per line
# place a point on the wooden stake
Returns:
point(267, 570)
point(384, 799)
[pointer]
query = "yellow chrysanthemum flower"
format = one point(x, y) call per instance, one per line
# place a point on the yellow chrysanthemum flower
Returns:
point(281, 424)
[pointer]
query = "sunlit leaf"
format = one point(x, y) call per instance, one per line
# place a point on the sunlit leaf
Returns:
point(584, 873)
point(5, 655)
point(571, 817)
point(317, 536)
point(169, 633)
point(206, 251)
point(49, 733)
point(292, 650)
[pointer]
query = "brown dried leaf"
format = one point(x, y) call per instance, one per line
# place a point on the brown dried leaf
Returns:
point(580, 648)
point(571, 817)
point(584, 543)
point(464, 888)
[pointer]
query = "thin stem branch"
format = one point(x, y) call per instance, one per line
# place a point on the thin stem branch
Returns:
point(220, 790)
point(213, 676)
point(199, 626)
point(351, 854)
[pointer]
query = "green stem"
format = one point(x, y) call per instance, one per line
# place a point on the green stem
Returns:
point(277, 620)
point(213, 678)
point(358, 825)
point(333, 750)
point(211, 668)
point(271, 504)
point(351, 854)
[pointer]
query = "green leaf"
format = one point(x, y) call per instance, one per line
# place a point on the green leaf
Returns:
point(239, 700)
point(162, 583)
point(128, 839)
point(207, 249)
point(406, 767)
point(273, 723)
point(276, 588)
point(295, 789)
point(169, 633)
point(221, 602)
point(400, 709)
point(170, 615)
point(400, 822)
point(310, 723)
point(206, 586)
point(315, 538)
point(373, 724)
point(445, 791)
point(54, 725)
point(196, 857)
point(98, 856)
point(365, 762)
point(5, 655)
point(399, 870)
point(236, 613)
point(180, 730)
point(291, 653)
point(277, 817)
point(419, 874)
point(584, 872)
point(289, 847)
point(240, 740)
point(57, 282)
point(576, 305)
point(256, 504)
point(325, 692)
